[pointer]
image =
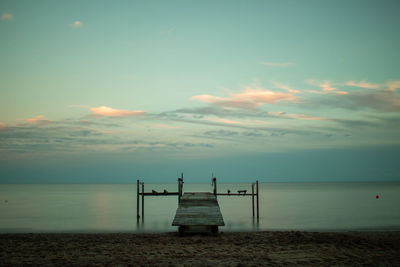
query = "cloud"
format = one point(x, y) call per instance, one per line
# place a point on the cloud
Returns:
point(252, 97)
point(105, 111)
point(164, 126)
point(392, 86)
point(326, 86)
point(71, 138)
point(326, 93)
point(385, 100)
point(382, 100)
point(363, 84)
point(245, 114)
point(221, 133)
point(76, 24)
point(296, 116)
point(7, 16)
point(389, 86)
point(37, 120)
point(286, 87)
point(226, 121)
point(276, 64)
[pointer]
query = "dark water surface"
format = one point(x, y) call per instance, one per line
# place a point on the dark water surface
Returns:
point(283, 206)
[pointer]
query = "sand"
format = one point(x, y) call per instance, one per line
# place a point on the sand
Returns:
point(224, 249)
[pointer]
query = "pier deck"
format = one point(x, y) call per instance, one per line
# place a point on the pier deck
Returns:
point(198, 209)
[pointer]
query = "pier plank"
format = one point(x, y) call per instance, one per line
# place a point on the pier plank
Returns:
point(198, 209)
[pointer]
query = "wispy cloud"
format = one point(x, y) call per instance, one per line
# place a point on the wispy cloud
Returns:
point(389, 86)
point(226, 121)
point(384, 97)
point(71, 138)
point(393, 85)
point(296, 116)
point(277, 64)
point(76, 24)
point(244, 115)
point(37, 120)
point(105, 111)
point(286, 87)
point(326, 86)
point(363, 84)
point(164, 126)
point(7, 16)
point(252, 97)
point(385, 100)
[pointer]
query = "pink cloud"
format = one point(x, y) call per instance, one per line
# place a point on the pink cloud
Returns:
point(363, 84)
point(327, 88)
point(105, 111)
point(327, 92)
point(37, 120)
point(251, 97)
point(341, 92)
point(76, 24)
point(287, 88)
point(325, 85)
point(2, 126)
point(276, 64)
point(392, 86)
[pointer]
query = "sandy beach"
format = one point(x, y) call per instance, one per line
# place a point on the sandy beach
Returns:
point(224, 249)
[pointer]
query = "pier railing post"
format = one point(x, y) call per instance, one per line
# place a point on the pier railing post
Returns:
point(180, 187)
point(142, 201)
point(137, 200)
point(214, 182)
point(252, 197)
point(179, 190)
point(258, 201)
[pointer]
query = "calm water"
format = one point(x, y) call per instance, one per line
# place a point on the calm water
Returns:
point(283, 206)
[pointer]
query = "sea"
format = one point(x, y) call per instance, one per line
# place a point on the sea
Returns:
point(104, 208)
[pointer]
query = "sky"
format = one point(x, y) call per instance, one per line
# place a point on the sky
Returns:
point(276, 91)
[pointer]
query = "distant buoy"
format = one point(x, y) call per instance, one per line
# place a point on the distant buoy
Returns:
point(377, 197)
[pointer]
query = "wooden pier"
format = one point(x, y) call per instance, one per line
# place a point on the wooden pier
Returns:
point(198, 209)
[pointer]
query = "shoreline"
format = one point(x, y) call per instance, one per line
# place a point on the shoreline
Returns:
point(225, 249)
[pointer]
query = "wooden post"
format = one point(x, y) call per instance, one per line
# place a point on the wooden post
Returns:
point(252, 197)
point(142, 200)
point(215, 186)
point(180, 187)
point(258, 201)
point(179, 190)
point(137, 200)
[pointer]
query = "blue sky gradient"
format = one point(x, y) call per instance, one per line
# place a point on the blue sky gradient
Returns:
point(112, 91)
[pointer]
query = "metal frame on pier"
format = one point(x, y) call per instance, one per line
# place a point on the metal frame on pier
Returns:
point(143, 194)
point(140, 185)
point(253, 194)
